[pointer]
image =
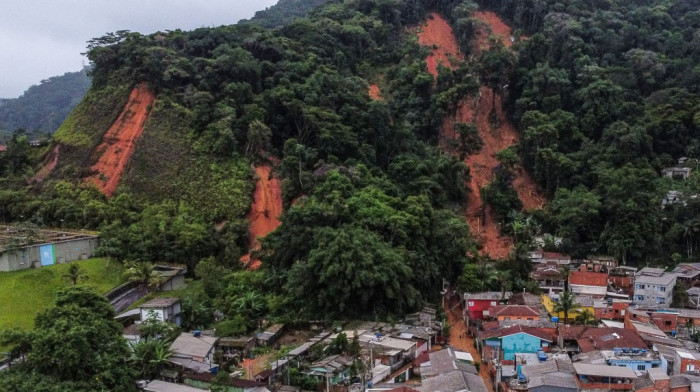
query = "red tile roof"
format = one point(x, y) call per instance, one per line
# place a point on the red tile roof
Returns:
point(555, 256)
point(589, 278)
point(609, 338)
point(513, 311)
point(541, 333)
point(2, 147)
point(571, 332)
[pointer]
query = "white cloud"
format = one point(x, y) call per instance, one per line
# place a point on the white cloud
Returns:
point(40, 39)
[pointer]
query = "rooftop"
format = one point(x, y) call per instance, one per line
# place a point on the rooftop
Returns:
point(537, 332)
point(188, 344)
point(585, 369)
point(162, 386)
point(650, 275)
point(514, 311)
point(609, 338)
point(493, 295)
point(17, 236)
point(589, 278)
point(160, 303)
point(454, 381)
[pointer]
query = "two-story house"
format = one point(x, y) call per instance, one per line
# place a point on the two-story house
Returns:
point(654, 287)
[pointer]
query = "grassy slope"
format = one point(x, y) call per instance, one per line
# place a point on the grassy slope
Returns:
point(26, 293)
point(165, 165)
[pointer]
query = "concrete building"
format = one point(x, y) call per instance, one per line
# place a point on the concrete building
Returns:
point(52, 247)
point(594, 284)
point(194, 352)
point(164, 309)
point(654, 287)
point(686, 361)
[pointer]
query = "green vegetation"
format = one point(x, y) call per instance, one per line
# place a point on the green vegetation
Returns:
point(29, 292)
point(42, 108)
point(75, 346)
point(283, 12)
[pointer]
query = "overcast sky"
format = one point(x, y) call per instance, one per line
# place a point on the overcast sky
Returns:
point(44, 38)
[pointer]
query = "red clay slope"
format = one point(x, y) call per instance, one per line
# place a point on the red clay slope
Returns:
point(265, 212)
point(374, 92)
point(498, 28)
point(120, 140)
point(437, 32)
point(483, 226)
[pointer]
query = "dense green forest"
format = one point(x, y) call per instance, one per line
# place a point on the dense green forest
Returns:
point(43, 107)
point(604, 95)
point(283, 12)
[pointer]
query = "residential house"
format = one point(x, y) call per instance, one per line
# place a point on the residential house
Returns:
point(654, 380)
point(610, 310)
point(550, 376)
point(477, 303)
point(654, 287)
point(163, 309)
point(568, 335)
point(389, 351)
point(448, 371)
point(607, 338)
point(598, 263)
point(540, 256)
point(204, 381)
point(686, 361)
point(163, 386)
point(518, 339)
point(688, 274)
point(335, 368)
point(523, 298)
point(270, 335)
point(635, 359)
point(667, 320)
point(604, 377)
point(549, 277)
point(514, 313)
point(594, 284)
point(677, 172)
point(585, 303)
point(238, 347)
point(194, 351)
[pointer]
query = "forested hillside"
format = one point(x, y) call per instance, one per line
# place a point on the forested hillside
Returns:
point(283, 12)
point(591, 101)
point(43, 107)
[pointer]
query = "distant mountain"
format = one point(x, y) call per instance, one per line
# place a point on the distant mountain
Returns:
point(283, 12)
point(43, 107)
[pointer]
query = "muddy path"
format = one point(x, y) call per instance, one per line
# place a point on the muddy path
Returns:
point(119, 142)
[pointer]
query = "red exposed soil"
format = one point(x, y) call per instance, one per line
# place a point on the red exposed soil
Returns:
point(437, 32)
point(47, 166)
point(266, 209)
point(498, 28)
point(120, 140)
point(374, 92)
point(476, 110)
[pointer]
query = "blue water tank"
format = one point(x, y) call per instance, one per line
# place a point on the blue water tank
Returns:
point(197, 333)
point(555, 319)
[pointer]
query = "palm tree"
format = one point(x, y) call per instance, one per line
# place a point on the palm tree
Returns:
point(144, 273)
point(161, 354)
point(585, 318)
point(503, 278)
point(564, 273)
point(75, 274)
point(567, 303)
point(487, 274)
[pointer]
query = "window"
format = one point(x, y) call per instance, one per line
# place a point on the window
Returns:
point(690, 368)
point(640, 298)
point(493, 303)
point(641, 367)
point(654, 365)
point(660, 300)
point(667, 322)
point(471, 303)
point(622, 313)
point(662, 289)
point(530, 319)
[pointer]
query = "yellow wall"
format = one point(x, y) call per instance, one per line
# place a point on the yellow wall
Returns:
point(549, 306)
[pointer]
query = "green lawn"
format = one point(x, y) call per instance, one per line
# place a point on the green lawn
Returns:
point(23, 294)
